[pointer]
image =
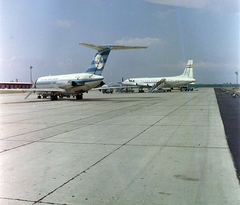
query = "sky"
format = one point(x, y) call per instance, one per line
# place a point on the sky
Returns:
point(45, 34)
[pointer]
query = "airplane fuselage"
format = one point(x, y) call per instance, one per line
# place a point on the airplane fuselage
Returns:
point(170, 81)
point(69, 83)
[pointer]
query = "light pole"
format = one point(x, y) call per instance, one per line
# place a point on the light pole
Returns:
point(236, 79)
point(31, 74)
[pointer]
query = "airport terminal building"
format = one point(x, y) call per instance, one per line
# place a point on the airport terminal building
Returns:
point(15, 85)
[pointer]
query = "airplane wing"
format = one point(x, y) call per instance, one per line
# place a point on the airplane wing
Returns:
point(110, 87)
point(33, 90)
point(146, 85)
point(37, 90)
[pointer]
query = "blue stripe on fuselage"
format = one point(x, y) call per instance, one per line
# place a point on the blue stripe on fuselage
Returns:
point(80, 81)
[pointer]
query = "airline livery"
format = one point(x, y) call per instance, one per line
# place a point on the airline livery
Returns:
point(79, 83)
point(168, 82)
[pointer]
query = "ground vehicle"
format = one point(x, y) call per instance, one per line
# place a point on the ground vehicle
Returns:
point(186, 88)
point(107, 91)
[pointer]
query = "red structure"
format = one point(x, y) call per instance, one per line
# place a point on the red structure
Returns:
point(15, 85)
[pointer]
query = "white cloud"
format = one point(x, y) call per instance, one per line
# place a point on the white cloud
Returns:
point(10, 60)
point(63, 23)
point(223, 6)
point(198, 4)
point(14, 57)
point(165, 14)
point(139, 42)
point(215, 66)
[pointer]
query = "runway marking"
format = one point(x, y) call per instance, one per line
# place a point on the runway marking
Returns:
point(162, 147)
point(124, 110)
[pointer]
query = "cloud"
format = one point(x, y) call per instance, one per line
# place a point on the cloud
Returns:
point(14, 57)
point(165, 14)
point(216, 66)
point(139, 42)
point(197, 4)
point(17, 61)
point(222, 6)
point(63, 23)
point(10, 60)
point(68, 62)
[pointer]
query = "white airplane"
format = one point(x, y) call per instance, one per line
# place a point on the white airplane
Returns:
point(78, 83)
point(167, 82)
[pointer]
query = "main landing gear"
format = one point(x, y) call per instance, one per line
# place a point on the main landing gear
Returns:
point(79, 96)
point(55, 97)
point(140, 90)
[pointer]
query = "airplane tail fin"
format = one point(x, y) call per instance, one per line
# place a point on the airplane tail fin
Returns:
point(101, 56)
point(188, 72)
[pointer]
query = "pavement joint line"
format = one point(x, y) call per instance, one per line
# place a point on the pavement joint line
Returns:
point(118, 148)
point(133, 145)
point(84, 126)
point(197, 154)
point(30, 201)
point(75, 121)
point(64, 131)
point(159, 151)
point(107, 154)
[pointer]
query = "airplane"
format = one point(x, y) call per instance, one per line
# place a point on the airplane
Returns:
point(78, 83)
point(159, 82)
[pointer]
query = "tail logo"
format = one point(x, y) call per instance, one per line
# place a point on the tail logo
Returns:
point(98, 61)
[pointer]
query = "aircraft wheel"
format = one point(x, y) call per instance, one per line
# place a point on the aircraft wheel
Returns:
point(79, 97)
point(54, 97)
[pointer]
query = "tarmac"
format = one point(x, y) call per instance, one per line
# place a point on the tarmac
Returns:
point(121, 148)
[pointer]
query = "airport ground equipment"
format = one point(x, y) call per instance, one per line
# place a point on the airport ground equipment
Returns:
point(186, 88)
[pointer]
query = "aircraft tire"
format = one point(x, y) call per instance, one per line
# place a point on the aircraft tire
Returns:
point(54, 97)
point(79, 97)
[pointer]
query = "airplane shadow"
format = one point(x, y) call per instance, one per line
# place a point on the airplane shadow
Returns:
point(111, 99)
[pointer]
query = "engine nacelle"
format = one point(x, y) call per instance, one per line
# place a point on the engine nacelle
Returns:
point(129, 83)
point(142, 84)
point(100, 84)
point(66, 84)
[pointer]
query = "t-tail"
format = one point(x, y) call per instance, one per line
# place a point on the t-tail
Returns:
point(188, 72)
point(101, 56)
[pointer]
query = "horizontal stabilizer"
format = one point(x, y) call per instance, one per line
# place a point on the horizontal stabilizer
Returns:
point(111, 47)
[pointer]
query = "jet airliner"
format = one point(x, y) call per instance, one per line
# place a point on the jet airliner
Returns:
point(79, 83)
point(168, 82)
